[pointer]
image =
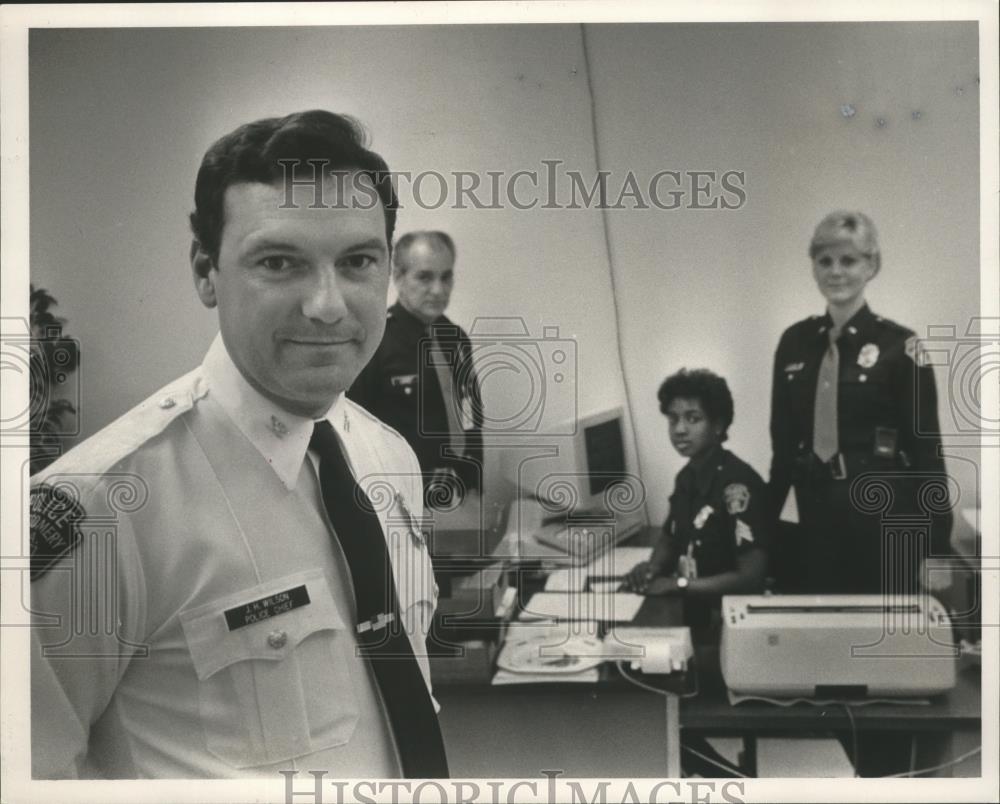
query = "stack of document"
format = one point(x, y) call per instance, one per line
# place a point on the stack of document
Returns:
point(597, 606)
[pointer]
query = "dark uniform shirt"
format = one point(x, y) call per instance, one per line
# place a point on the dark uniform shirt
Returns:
point(887, 423)
point(718, 507)
point(400, 386)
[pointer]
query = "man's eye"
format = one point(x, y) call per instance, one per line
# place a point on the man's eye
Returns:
point(826, 262)
point(358, 262)
point(276, 264)
point(847, 262)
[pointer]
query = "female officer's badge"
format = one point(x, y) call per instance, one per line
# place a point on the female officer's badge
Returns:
point(737, 498)
point(868, 355)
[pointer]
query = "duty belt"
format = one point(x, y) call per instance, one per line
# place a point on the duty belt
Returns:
point(844, 466)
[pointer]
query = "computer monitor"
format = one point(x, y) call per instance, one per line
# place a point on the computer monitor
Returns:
point(581, 473)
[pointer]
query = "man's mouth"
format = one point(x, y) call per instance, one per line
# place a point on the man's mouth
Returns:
point(320, 341)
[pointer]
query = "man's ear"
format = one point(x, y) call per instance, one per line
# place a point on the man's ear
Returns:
point(204, 274)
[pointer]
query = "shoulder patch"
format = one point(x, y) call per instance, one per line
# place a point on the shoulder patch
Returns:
point(737, 497)
point(54, 522)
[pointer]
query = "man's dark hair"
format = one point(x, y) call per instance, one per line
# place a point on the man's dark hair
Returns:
point(254, 152)
point(708, 388)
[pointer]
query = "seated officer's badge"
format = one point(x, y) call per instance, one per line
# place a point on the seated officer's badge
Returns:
point(54, 522)
point(737, 498)
point(868, 356)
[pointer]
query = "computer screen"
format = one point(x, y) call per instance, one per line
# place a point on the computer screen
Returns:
point(604, 448)
point(573, 473)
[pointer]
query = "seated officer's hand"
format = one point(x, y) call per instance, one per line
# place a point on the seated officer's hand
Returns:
point(661, 585)
point(638, 577)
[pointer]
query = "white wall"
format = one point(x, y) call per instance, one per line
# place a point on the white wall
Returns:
point(716, 288)
point(121, 118)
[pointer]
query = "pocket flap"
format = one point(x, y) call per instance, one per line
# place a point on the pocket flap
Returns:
point(266, 621)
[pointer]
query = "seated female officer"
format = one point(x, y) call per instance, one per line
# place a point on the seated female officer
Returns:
point(715, 537)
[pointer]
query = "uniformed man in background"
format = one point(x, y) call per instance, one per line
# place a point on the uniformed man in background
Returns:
point(422, 380)
point(231, 580)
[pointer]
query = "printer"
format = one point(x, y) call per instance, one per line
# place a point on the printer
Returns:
point(837, 646)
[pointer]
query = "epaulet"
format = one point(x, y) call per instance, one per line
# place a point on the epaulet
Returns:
point(889, 324)
point(363, 413)
point(125, 435)
point(804, 323)
point(60, 492)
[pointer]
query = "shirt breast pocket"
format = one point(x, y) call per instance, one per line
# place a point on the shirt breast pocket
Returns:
point(278, 687)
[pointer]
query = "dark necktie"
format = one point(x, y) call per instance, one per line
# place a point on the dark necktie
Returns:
point(382, 640)
point(452, 401)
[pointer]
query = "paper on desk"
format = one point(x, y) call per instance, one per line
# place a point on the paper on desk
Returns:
point(506, 677)
point(618, 561)
point(616, 607)
point(566, 580)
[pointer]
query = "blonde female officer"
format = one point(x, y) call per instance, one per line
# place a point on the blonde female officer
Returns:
point(854, 429)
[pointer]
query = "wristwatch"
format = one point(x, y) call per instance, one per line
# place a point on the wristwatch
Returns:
point(682, 583)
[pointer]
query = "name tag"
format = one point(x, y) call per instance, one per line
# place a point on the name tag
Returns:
point(266, 607)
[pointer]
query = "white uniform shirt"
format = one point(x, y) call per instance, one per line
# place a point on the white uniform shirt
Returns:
point(203, 623)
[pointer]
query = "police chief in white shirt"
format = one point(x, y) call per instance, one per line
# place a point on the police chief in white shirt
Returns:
point(194, 613)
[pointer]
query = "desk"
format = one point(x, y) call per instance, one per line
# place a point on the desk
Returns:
point(615, 730)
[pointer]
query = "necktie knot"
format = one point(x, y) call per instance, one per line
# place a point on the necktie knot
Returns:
point(324, 439)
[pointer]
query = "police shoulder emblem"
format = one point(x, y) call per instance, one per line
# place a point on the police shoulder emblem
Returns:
point(915, 351)
point(868, 356)
point(54, 523)
point(737, 497)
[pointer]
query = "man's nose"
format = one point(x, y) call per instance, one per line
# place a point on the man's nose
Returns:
point(325, 301)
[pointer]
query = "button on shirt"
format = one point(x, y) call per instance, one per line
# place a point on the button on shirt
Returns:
point(228, 648)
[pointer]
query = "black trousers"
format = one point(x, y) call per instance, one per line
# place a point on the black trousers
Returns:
point(862, 536)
